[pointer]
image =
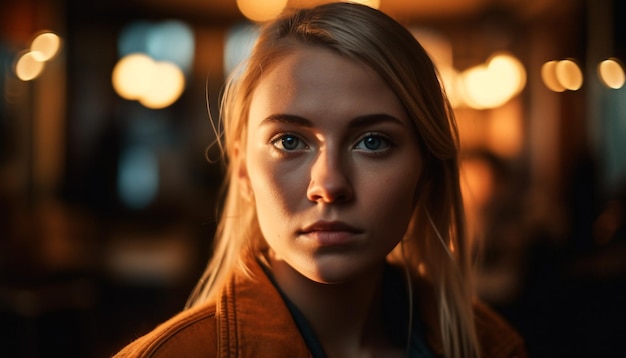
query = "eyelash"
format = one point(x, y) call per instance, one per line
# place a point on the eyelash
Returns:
point(386, 142)
point(278, 142)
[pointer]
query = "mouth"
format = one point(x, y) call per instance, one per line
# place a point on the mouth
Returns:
point(331, 233)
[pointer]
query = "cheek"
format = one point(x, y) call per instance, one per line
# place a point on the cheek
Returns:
point(270, 205)
point(276, 198)
point(394, 200)
point(275, 189)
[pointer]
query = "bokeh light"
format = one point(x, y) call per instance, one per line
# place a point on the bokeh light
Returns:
point(260, 11)
point(239, 42)
point(569, 74)
point(133, 38)
point(492, 84)
point(548, 75)
point(171, 41)
point(28, 66)
point(138, 177)
point(154, 84)
point(30, 63)
point(132, 75)
point(165, 88)
point(611, 73)
point(371, 3)
point(511, 71)
point(478, 87)
point(45, 46)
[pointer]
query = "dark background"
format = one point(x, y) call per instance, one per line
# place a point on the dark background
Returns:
point(82, 274)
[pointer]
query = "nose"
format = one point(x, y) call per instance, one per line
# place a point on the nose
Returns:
point(330, 180)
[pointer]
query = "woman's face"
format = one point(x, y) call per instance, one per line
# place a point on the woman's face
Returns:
point(332, 162)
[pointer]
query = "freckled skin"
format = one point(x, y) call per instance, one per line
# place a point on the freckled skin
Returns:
point(329, 169)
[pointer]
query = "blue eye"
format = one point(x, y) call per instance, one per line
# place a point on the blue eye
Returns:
point(288, 142)
point(373, 143)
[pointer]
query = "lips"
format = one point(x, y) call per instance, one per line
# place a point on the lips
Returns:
point(331, 233)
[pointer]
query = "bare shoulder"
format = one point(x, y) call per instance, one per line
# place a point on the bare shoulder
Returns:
point(190, 333)
point(497, 337)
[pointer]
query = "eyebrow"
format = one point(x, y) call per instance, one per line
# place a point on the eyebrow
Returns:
point(286, 119)
point(357, 122)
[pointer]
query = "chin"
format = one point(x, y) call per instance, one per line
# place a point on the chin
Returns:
point(337, 272)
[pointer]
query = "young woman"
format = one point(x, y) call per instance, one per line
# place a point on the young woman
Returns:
point(342, 232)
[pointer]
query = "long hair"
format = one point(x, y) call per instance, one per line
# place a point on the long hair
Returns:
point(435, 245)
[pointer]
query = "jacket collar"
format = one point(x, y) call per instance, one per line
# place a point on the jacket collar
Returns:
point(253, 318)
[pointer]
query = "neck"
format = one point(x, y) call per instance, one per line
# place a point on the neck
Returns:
point(347, 317)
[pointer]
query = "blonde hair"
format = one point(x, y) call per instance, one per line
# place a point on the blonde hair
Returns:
point(435, 245)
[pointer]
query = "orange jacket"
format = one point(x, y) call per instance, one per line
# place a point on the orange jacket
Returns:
point(250, 318)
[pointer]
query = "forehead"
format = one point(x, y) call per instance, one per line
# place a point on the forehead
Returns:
point(315, 81)
point(314, 66)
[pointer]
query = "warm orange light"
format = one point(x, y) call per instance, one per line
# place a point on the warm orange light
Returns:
point(611, 73)
point(371, 3)
point(153, 84)
point(477, 183)
point(260, 11)
point(569, 74)
point(477, 87)
point(510, 70)
point(28, 67)
point(132, 75)
point(505, 130)
point(45, 46)
point(548, 75)
point(494, 83)
point(165, 88)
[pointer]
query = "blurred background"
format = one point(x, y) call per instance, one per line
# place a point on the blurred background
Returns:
point(109, 176)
